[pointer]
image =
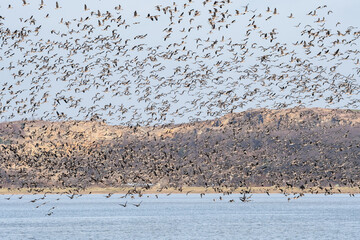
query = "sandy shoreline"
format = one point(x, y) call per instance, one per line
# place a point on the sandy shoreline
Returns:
point(185, 190)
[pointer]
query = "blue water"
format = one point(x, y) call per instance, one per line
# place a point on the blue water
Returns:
point(180, 217)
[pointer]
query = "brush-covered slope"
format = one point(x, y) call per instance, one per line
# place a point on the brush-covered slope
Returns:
point(291, 147)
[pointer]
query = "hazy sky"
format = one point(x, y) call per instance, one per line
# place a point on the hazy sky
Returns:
point(134, 70)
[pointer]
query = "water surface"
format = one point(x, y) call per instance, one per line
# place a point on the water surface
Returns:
point(180, 217)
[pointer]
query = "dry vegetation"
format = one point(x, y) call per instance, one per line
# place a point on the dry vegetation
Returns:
point(299, 149)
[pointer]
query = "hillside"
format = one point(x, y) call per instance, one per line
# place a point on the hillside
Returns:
point(297, 147)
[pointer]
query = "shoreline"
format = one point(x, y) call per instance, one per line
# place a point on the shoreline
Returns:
point(185, 190)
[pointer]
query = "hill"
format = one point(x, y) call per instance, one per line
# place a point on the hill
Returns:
point(299, 147)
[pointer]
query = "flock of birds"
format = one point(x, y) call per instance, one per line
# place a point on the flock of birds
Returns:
point(289, 151)
point(173, 62)
point(196, 62)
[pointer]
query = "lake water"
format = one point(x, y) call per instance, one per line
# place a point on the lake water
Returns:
point(180, 217)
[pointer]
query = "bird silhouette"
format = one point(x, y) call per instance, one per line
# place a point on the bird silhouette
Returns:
point(137, 204)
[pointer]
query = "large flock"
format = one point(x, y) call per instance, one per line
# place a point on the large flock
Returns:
point(177, 62)
point(173, 62)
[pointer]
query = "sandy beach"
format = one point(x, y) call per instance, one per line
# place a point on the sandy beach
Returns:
point(185, 190)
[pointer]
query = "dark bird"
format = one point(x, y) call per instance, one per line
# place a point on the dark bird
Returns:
point(57, 5)
point(137, 205)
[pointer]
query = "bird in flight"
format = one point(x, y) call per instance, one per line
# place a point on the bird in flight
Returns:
point(57, 5)
point(25, 3)
point(137, 204)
